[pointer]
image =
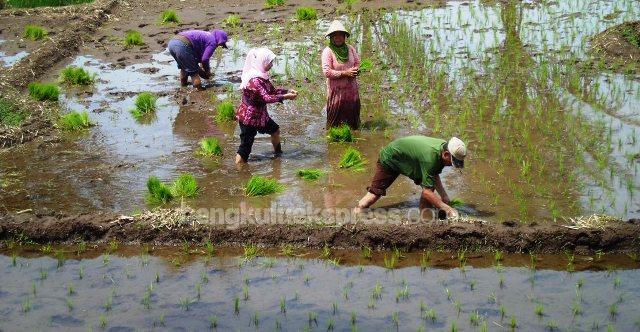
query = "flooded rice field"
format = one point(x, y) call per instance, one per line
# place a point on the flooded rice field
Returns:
point(200, 288)
point(549, 136)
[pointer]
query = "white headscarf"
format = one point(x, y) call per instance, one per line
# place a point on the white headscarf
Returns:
point(255, 65)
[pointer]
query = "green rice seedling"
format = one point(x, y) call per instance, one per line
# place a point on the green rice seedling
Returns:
point(631, 35)
point(366, 252)
point(613, 311)
point(283, 304)
point(611, 328)
point(159, 193)
point(430, 315)
point(251, 251)
point(44, 91)
point(71, 289)
point(366, 65)
point(334, 308)
point(472, 285)
point(169, 16)
point(108, 303)
point(76, 76)
point(539, 310)
point(395, 319)
point(310, 174)
point(425, 259)
point(331, 324)
point(157, 277)
point(185, 303)
point(576, 309)
point(81, 273)
point(204, 277)
point(474, 319)
point(551, 325)
point(145, 105)
point(10, 115)
point(458, 306)
point(14, 259)
point(498, 256)
point(456, 203)
point(326, 252)
point(503, 311)
point(102, 321)
point(133, 38)
point(376, 294)
point(255, 319)
point(616, 282)
point(210, 147)
point(232, 21)
point(75, 121)
point(43, 274)
point(209, 248)
point(454, 327)
point(213, 322)
point(352, 159)
point(313, 318)
point(105, 259)
point(354, 318)
point(513, 323)
point(580, 283)
point(82, 247)
point(261, 186)
point(448, 293)
point(287, 250)
point(306, 14)
point(69, 304)
point(273, 3)
point(390, 262)
point(403, 294)
point(185, 186)
point(245, 293)
point(34, 32)
point(341, 134)
point(34, 289)
point(225, 112)
point(26, 305)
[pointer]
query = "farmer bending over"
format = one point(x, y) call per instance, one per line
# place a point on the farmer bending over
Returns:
point(421, 159)
point(192, 50)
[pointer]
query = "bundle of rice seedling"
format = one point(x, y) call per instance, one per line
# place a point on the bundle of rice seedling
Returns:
point(352, 159)
point(261, 186)
point(209, 147)
point(456, 202)
point(226, 112)
point(44, 91)
point(232, 21)
point(185, 186)
point(75, 121)
point(310, 174)
point(366, 65)
point(34, 32)
point(306, 14)
point(145, 105)
point(159, 193)
point(341, 134)
point(133, 38)
point(76, 76)
point(169, 16)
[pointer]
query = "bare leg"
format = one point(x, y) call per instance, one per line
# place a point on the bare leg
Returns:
point(184, 79)
point(239, 160)
point(275, 141)
point(366, 202)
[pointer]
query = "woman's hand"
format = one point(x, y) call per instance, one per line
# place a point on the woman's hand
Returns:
point(293, 91)
point(290, 96)
point(351, 72)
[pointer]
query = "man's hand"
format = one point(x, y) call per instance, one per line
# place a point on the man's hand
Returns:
point(452, 213)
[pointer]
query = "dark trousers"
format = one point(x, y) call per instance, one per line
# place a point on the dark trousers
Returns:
point(248, 134)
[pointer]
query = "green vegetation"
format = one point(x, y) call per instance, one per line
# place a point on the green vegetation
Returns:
point(44, 91)
point(185, 186)
point(261, 186)
point(226, 112)
point(10, 115)
point(352, 159)
point(169, 16)
point(44, 3)
point(273, 3)
point(133, 38)
point(159, 193)
point(366, 65)
point(145, 106)
point(341, 134)
point(632, 35)
point(456, 203)
point(76, 76)
point(75, 121)
point(210, 147)
point(232, 21)
point(310, 174)
point(306, 14)
point(34, 32)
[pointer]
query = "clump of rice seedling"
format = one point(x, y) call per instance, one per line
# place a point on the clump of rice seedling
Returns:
point(185, 186)
point(456, 202)
point(273, 3)
point(310, 174)
point(209, 147)
point(34, 32)
point(145, 105)
point(341, 134)
point(44, 91)
point(261, 186)
point(232, 21)
point(631, 35)
point(352, 159)
point(306, 14)
point(133, 38)
point(287, 250)
point(366, 65)
point(251, 251)
point(169, 16)
point(539, 311)
point(226, 112)
point(75, 121)
point(159, 193)
point(366, 252)
point(10, 115)
point(76, 76)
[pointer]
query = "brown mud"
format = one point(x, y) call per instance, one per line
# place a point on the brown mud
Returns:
point(615, 50)
point(510, 237)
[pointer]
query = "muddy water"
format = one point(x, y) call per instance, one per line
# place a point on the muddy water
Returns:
point(7, 59)
point(128, 292)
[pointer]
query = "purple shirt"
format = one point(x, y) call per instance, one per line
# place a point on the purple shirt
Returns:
point(204, 43)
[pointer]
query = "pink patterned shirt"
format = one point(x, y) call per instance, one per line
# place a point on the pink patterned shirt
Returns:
point(255, 97)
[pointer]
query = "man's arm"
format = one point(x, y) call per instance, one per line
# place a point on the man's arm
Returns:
point(429, 197)
point(441, 191)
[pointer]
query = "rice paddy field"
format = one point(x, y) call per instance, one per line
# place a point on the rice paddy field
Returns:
point(551, 126)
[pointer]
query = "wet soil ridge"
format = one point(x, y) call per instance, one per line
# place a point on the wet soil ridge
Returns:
point(511, 237)
point(57, 48)
point(619, 44)
point(36, 124)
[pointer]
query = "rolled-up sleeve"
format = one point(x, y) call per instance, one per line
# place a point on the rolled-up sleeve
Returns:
point(267, 92)
point(327, 64)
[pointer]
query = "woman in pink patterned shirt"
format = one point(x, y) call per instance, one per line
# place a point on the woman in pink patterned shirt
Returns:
point(257, 92)
point(340, 64)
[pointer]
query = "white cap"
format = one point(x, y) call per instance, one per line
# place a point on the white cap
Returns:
point(336, 26)
point(458, 151)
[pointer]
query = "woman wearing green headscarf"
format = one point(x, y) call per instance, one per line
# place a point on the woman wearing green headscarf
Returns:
point(340, 63)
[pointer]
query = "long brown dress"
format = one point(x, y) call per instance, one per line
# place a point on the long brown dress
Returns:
point(343, 98)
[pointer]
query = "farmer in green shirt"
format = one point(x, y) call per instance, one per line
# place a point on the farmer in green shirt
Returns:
point(421, 159)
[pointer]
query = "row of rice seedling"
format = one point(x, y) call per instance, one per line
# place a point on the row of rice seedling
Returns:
point(185, 186)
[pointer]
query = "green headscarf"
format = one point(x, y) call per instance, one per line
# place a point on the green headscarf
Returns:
point(341, 52)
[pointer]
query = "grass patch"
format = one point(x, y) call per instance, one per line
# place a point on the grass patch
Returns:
point(631, 35)
point(352, 159)
point(273, 3)
point(366, 65)
point(44, 3)
point(232, 21)
point(341, 134)
point(10, 115)
point(76, 76)
point(169, 16)
point(261, 186)
point(310, 174)
point(226, 112)
point(75, 121)
point(145, 105)
point(185, 186)
point(133, 38)
point(159, 193)
point(44, 91)
point(209, 147)
point(34, 32)
point(306, 14)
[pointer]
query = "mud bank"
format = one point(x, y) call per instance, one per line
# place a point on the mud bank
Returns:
point(175, 227)
point(616, 46)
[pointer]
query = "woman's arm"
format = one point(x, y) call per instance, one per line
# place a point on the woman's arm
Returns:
point(327, 69)
point(267, 92)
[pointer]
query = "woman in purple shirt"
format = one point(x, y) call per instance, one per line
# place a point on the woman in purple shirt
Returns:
point(192, 50)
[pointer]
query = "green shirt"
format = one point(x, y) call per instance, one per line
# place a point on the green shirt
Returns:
point(417, 157)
